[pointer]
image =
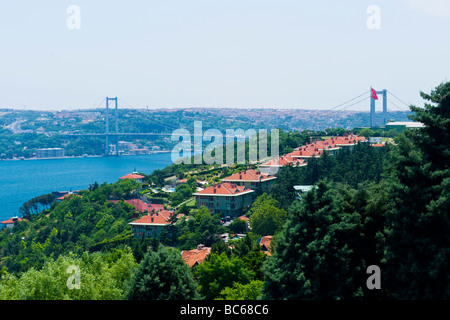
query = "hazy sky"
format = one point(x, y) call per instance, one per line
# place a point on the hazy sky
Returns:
point(219, 53)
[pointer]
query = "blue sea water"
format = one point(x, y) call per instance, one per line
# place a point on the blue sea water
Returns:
point(21, 180)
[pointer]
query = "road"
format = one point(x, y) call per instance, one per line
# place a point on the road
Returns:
point(15, 127)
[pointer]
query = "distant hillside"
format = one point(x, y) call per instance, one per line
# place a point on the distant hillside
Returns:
point(166, 120)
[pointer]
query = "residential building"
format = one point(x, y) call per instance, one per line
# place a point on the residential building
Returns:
point(264, 242)
point(139, 151)
point(50, 153)
point(299, 156)
point(378, 145)
point(285, 160)
point(152, 225)
point(226, 198)
point(306, 152)
point(195, 256)
point(252, 179)
point(348, 140)
point(126, 145)
point(68, 195)
point(135, 176)
point(10, 222)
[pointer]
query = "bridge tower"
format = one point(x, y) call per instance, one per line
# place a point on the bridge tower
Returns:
point(107, 151)
point(372, 106)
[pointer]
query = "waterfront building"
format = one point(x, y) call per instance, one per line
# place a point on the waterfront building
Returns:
point(135, 176)
point(50, 153)
point(10, 222)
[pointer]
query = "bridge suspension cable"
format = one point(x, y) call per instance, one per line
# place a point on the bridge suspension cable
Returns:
point(98, 106)
point(392, 103)
point(344, 103)
point(158, 122)
point(346, 107)
point(398, 99)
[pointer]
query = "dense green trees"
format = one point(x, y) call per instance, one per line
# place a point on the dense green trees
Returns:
point(327, 244)
point(417, 259)
point(91, 276)
point(199, 228)
point(361, 164)
point(310, 262)
point(79, 223)
point(218, 272)
point(182, 192)
point(162, 275)
point(239, 291)
point(387, 207)
point(265, 216)
point(36, 205)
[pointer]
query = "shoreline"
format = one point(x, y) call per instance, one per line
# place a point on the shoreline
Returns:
point(12, 208)
point(86, 156)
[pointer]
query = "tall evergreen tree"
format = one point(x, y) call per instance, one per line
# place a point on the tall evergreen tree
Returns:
point(314, 254)
point(162, 275)
point(417, 259)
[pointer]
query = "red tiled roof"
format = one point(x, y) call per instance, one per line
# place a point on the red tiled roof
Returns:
point(265, 244)
point(326, 145)
point(160, 217)
point(67, 195)
point(249, 175)
point(314, 149)
point(132, 176)
point(224, 188)
point(156, 206)
point(306, 152)
point(347, 140)
point(10, 220)
point(141, 206)
point(285, 160)
point(378, 145)
point(191, 257)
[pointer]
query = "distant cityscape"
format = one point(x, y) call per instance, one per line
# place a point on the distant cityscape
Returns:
point(52, 134)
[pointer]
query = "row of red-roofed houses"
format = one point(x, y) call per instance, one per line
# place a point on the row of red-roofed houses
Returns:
point(237, 191)
point(299, 156)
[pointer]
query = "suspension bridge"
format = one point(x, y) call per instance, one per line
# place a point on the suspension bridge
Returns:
point(372, 96)
point(369, 95)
